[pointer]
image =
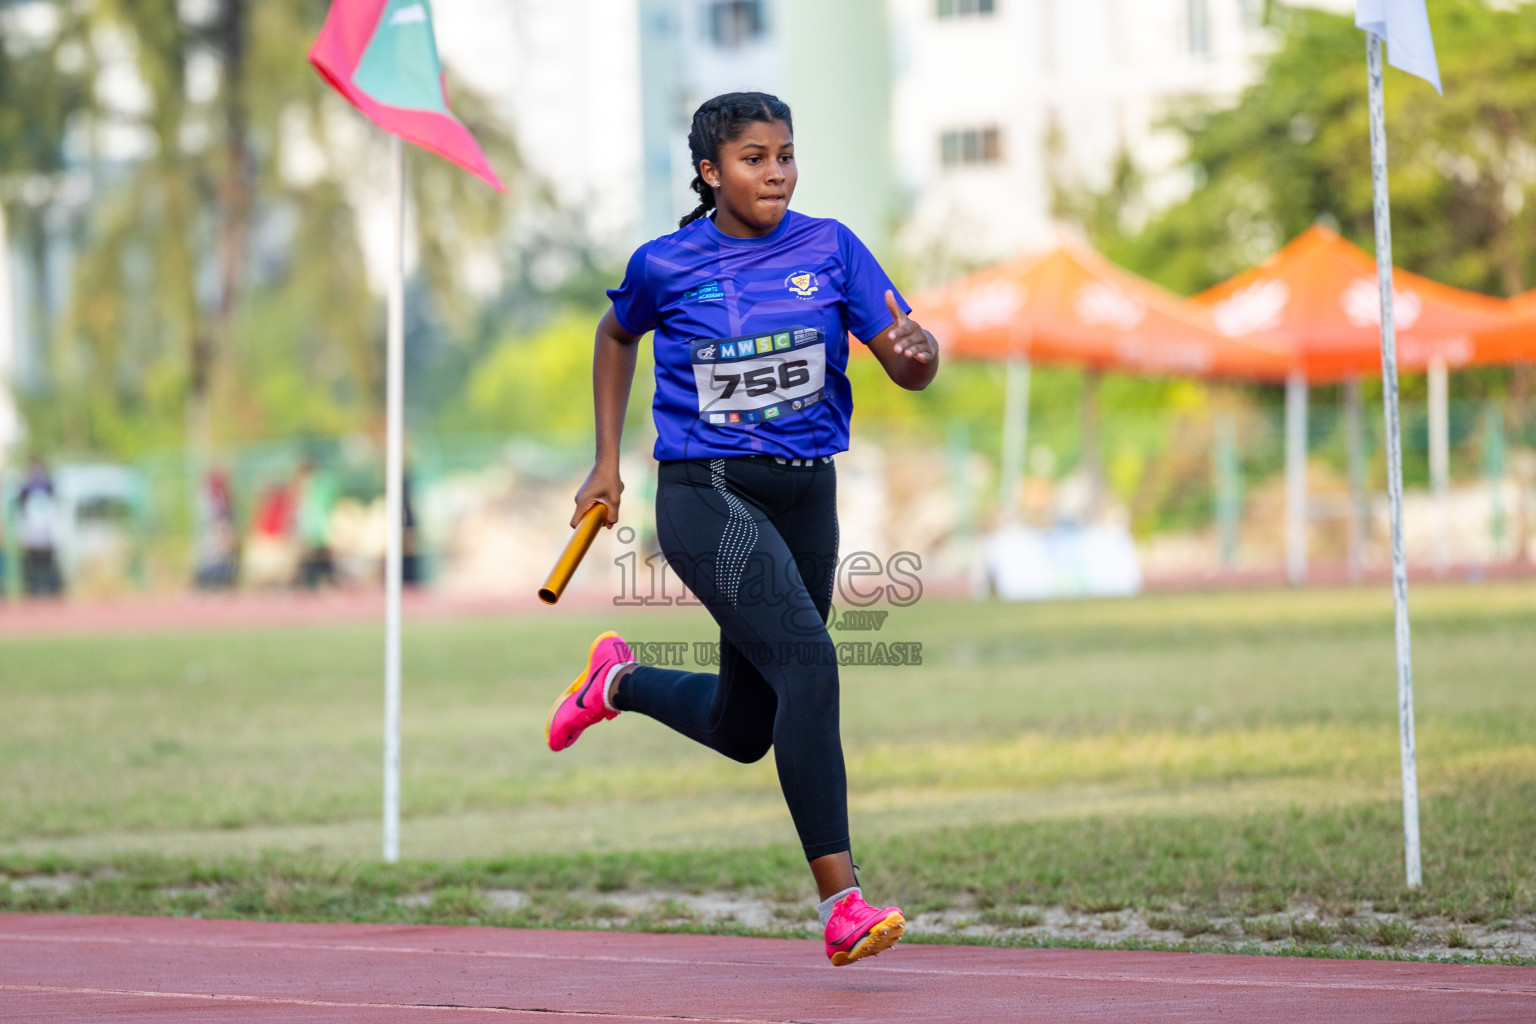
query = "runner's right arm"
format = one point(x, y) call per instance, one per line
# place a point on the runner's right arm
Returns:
point(613, 372)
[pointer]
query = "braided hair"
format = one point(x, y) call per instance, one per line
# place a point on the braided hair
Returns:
point(721, 120)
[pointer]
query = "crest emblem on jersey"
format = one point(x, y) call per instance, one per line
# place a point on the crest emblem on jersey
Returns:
point(802, 283)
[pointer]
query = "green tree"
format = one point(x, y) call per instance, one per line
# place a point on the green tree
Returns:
point(220, 291)
point(540, 384)
point(45, 85)
point(1296, 148)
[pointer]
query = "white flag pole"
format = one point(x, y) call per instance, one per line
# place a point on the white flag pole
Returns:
point(1394, 462)
point(393, 499)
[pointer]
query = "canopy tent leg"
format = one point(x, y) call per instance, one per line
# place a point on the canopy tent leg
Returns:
point(1493, 472)
point(1354, 440)
point(1093, 457)
point(958, 452)
point(1296, 479)
point(1229, 497)
point(1015, 437)
point(1440, 461)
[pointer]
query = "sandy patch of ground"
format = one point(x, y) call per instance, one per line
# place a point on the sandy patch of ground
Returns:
point(1360, 927)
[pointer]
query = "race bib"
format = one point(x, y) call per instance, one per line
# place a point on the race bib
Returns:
point(760, 378)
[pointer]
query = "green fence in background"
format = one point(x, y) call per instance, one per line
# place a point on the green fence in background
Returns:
point(1210, 470)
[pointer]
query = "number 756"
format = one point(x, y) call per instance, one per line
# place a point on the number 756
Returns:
point(763, 380)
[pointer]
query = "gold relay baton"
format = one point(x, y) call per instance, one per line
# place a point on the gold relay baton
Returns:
point(575, 551)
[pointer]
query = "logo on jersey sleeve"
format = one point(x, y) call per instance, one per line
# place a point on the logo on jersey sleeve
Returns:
point(710, 291)
point(803, 283)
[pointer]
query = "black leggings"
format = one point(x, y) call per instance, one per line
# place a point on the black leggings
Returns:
point(755, 539)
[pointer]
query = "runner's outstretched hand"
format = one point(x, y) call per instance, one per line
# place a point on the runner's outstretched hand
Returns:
point(908, 354)
point(907, 338)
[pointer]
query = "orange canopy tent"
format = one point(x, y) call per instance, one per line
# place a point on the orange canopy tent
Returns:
point(1515, 342)
point(1320, 294)
point(1071, 305)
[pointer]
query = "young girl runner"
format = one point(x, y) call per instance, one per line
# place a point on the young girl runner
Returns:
point(751, 306)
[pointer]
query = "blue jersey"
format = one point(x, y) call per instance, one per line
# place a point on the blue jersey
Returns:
point(752, 335)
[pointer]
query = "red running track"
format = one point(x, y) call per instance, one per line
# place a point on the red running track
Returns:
point(68, 968)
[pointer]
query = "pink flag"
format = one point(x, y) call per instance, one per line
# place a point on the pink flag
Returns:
point(382, 56)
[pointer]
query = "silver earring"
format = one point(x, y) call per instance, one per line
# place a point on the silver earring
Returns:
point(717, 183)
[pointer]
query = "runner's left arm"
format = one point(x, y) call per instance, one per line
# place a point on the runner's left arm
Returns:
point(908, 353)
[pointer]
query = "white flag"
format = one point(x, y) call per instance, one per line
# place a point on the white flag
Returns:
point(1404, 26)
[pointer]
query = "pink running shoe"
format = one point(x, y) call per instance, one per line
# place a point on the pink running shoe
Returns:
point(581, 704)
point(856, 930)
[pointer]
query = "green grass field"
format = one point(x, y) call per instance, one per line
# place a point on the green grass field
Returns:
point(1218, 764)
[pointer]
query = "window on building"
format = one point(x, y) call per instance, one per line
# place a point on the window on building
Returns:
point(1199, 19)
point(962, 8)
point(1255, 12)
point(971, 146)
point(734, 22)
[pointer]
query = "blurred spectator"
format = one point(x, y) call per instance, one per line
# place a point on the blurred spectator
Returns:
point(411, 574)
point(37, 514)
point(218, 543)
point(316, 494)
point(271, 557)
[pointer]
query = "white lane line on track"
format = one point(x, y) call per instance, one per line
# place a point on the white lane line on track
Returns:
point(129, 993)
point(1527, 991)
